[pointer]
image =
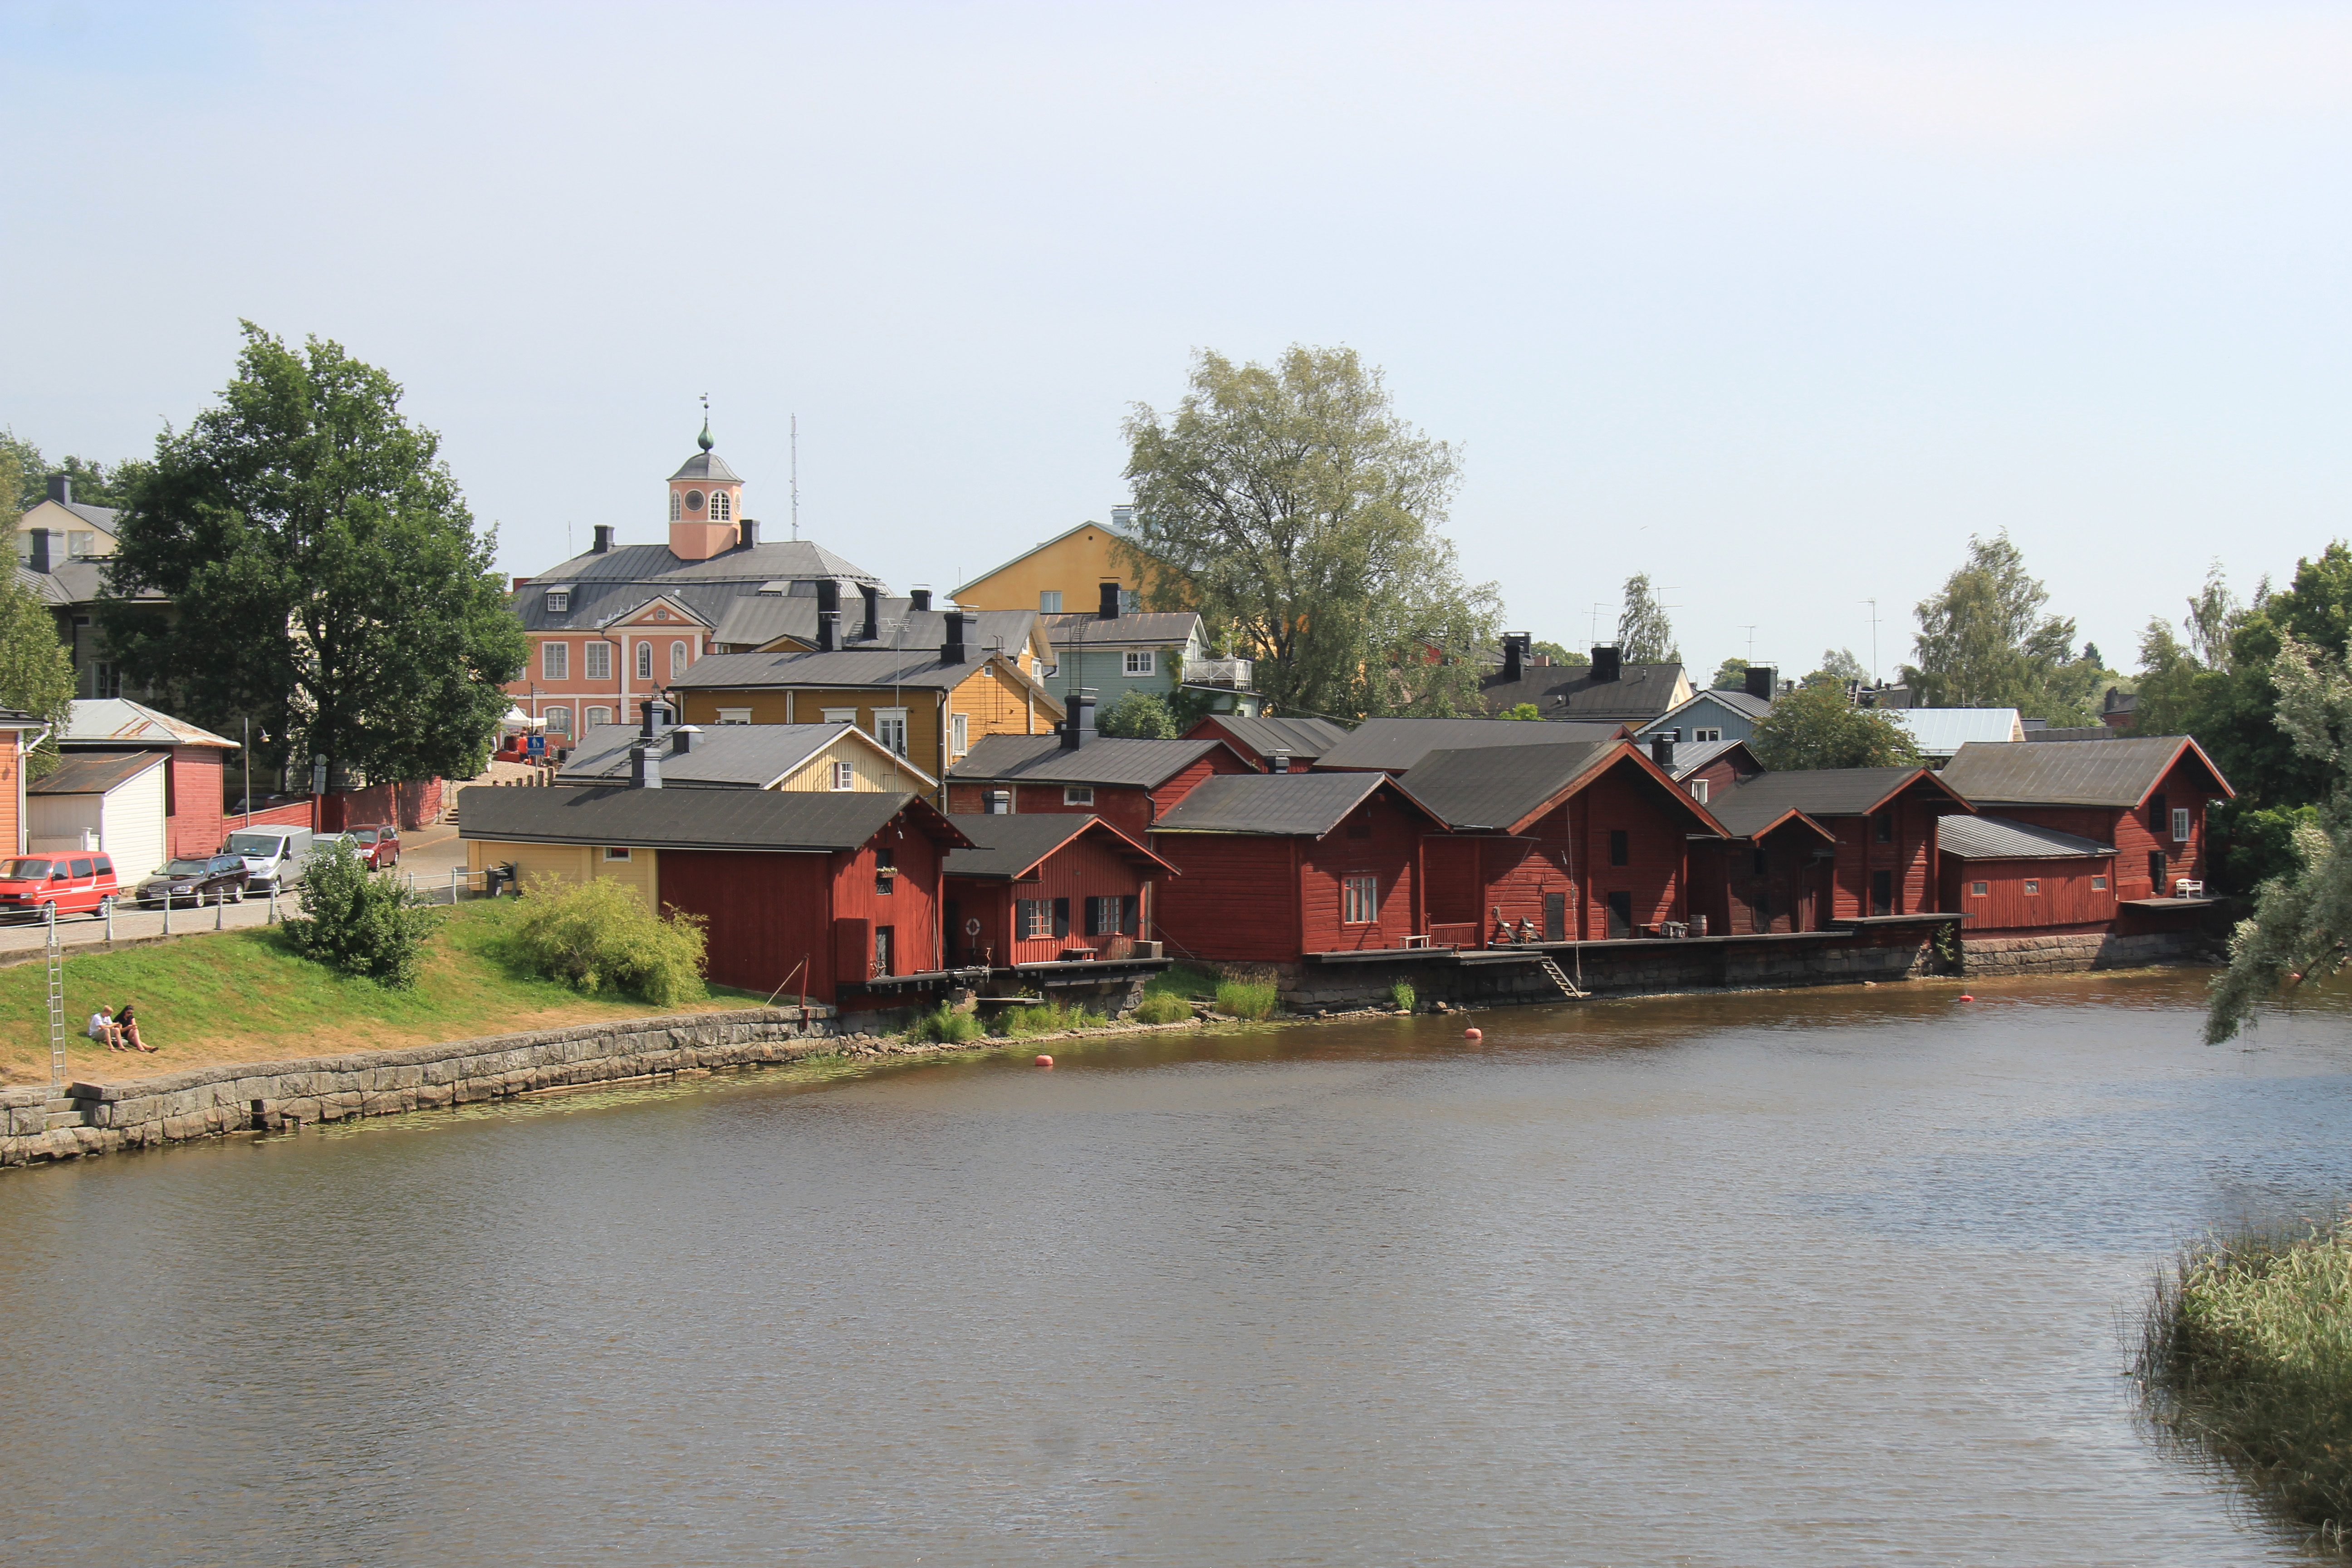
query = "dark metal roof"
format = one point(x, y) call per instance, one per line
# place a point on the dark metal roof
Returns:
point(1008, 848)
point(709, 468)
point(1641, 692)
point(2119, 772)
point(1149, 628)
point(918, 668)
point(1103, 760)
point(1497, 788)
point(763, 819)
point(2072, 732)
point(1737, 701)
point(1280, 804)
point(95, 773)
point(1394, 745)
point(1999, 838)
point(1265, 736)
point(725, 756)
point(1756, 803)
point(1690, 756)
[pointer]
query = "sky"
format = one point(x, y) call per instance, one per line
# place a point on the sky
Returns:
point(1779, 304)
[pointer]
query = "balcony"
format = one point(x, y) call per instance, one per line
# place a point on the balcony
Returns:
point(1228, 674)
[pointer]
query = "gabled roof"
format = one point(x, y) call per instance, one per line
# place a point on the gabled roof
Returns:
point(1011, 848)
point(1264, 737)
point(725, 756)
point(1639, 692)
point(1999, 838)
point(118, 721)
point(1040, 545)
point(1504, 791)
point(2123, 772)
point(1282, 804)
point(1394, 745)
point(1734, 701)
point(1940, 732)
point(918, 670)
point(95, 773)
point(1752, 805)
point(751, 819)
point(1690, 756)
point(1147, 629)
point(1103, 760)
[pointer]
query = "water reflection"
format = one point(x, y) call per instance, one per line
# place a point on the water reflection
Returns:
point(1784, 1278)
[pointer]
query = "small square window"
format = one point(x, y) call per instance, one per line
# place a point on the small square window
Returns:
point(1698, 791)
point(1141, 661)
point(1360, 901)
point(1078, 794)
point(1707, 735)
point(2098, 884)
point(613, 853)
point(845, 776)
point(1049, 601)
point(1980, 889)
point(2031, 886)
point(559, 603)
point(734, 715)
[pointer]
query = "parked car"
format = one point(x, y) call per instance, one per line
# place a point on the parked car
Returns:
point(75, 884)
point(198, 879)
point(379, 847)
point(272, 855)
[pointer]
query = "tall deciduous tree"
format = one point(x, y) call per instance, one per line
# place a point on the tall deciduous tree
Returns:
point(1816, 726)
point(1291, 507)
point(36, 674)
point(1644, 636)
point(1838, 668)
point(1984, 641)
point(25, 477)
point(326, 576)
point(1731, 675)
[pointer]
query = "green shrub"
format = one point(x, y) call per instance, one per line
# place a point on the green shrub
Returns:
point(1138, 716)
point(1242, 999)
point(1404, 997)
point(1161, 1007)
point(946, 1026)
point(1050, 1018)
point(1182, 980)
point(359, 922)
point(2246, 1357)
point(599, 935)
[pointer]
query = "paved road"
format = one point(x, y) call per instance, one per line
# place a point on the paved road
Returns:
point(427, 854)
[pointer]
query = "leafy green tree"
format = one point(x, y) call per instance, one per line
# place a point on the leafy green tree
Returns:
point(1522, 710)
point(1840, 669)
point(1731, 675)
point(1984, 641)
point(1816, 726)
point(1291, 507)
point(1138, 716)
point(25, 477)
point(360, 923)
point(36, 674)
point(1557, 654)
point(327, 577)
point(1644, 636)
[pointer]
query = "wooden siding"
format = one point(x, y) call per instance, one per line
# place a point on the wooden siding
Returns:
point(1236, 900)
point(872, 769)
point(194, 801)
point(2135, 831)
point(1165, 796)
point(768, 915)
point(1725, 886)
point(1909, 858)
point(1090, 868)
point(2065, 899)
point(1128, 807)
point(542, 863)
point(912, 907)
point(1657, 835)
point(1379, 838)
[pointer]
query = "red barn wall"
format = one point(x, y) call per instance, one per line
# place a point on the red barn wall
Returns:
point(1380, 837)
point(911, 909)
point(1192, 776)
point(196, 806)
point(768, 914)
point(1089, 869)
point(1237, 897)
point(1657, 838)
point(2066, 899)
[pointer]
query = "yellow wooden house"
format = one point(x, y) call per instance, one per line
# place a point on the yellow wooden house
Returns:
point(1065, 575)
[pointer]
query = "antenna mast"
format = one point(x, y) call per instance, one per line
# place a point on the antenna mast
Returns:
point(797, 475)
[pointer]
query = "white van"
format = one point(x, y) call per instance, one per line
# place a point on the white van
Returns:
point(273, 856)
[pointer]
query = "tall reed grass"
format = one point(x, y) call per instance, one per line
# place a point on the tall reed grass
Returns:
point(1163, 1007)
point(2245, 1359)
point(1048, 1020)
point(1244, 999)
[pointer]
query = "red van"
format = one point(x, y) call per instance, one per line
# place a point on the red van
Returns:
point(76, 884)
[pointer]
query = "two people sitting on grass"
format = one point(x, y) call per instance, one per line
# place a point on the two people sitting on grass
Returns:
point(119, 1029)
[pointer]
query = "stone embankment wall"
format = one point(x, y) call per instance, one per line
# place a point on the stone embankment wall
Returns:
point(40, 1123)
point(2071, 953)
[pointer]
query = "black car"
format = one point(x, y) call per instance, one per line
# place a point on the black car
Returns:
point(215, 879)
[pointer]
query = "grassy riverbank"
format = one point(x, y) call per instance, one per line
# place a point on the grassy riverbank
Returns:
point(242, 996)
point(2246, 1356)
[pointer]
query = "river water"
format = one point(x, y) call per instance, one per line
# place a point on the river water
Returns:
point(1802, 1278)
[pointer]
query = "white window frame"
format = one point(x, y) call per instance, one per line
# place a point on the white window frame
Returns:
point(1700, 736)
point(555, 661)
point(1028, 913)
point(959, 733)
point(1359, 899)
point(1698, 788)
point(645, 660)
point(1049, 601)
point(675, 506)
point(678, 659)
point(841, 715)
point(559, 601)
point(615, 852)
point(2180, 825)
point(596, 659)
point(722, 510)
point(1981, 889)
point(890, 729)
point(591, 717)
point(1077, 795)
point(81, 542)
point(1142, 661)
point(844, 776)
point(734, 715)
point(559, 719)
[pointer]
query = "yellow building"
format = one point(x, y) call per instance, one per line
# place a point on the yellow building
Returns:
point(1065, 575)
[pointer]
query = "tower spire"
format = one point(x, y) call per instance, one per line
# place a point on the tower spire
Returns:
point(703, 440)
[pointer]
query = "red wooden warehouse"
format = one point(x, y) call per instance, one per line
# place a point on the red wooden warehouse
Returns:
point(1877, 861)
point(2012, 877)
point(1129, 784)
point(2147, 797)
point(841, 891)
point(1276, 865)
point(1579, 842)
point(1050, 889)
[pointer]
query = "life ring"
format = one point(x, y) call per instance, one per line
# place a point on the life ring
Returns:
point(972, 926)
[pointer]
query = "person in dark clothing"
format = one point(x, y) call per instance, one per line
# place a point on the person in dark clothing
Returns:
point(126, 1020)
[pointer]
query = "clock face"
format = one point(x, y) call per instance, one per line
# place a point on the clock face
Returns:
point(694, 501)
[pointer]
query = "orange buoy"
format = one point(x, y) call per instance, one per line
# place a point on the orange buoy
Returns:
point(1966, 997)
point(1473, 1035)
point(1045, 1061)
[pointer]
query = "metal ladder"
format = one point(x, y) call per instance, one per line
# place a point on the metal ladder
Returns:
point(56, 964)
point(1558, 977)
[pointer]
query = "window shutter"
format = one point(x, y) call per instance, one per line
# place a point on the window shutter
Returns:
point(1061, 918)
point(1127, 915)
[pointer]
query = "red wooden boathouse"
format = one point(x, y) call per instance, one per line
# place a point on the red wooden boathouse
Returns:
point(1051, 887)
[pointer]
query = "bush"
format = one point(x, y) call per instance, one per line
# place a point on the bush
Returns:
point(1163, 1007)
point(946, 1026)
point(359, 922)
point(1050, 1018)
point(1138, 716)
point(1242, 999)
point(598, 935)
point(2246, 1356)
point(1404, 997)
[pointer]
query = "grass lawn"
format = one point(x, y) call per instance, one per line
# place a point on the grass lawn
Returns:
point(233, 996)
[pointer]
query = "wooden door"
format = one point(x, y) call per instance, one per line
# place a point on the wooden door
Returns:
point(1555, 917)
point(1621, 915)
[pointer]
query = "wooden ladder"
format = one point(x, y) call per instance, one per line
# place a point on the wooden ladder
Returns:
point(1558, 977)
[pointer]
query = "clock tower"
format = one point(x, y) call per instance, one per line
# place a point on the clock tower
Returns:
point(706, 504)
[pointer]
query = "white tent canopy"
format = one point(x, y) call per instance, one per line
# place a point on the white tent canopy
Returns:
point(516, 719)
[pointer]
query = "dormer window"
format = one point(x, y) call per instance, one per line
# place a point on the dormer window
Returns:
point(559, 601)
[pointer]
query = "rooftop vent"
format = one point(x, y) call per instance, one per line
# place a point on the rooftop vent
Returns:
point(1605, 662)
